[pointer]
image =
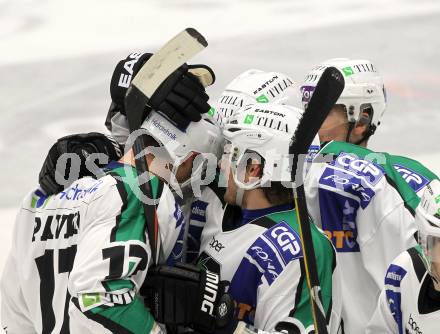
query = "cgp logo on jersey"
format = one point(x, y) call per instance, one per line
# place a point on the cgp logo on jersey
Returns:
point(366, 170)
point(415, 180)
point(277, 247)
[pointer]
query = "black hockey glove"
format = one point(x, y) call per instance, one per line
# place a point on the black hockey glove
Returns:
point(79, 164)
point(181, 97)
point(187, 296)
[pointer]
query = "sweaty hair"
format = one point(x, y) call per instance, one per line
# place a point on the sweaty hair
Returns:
point(278, 194)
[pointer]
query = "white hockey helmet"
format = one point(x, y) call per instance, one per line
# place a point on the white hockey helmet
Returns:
point(202, 137)
point(256, 86)
point(364, 89)
point(428, 223)
point(265, 129)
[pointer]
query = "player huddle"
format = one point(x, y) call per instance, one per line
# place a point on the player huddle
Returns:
point(230, 257)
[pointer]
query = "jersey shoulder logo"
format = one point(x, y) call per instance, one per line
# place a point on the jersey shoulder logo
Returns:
point(415, 180)
point(395, 275)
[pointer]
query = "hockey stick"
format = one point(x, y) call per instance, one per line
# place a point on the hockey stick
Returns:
point(164, 62)
point(327, 91)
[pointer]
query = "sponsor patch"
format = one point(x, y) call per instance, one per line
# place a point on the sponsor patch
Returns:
point(272, 251)
point(394, 275)
point(367, 170)
point(415, 180)
point(349, 183)
point(307, 92)
point(75, 193)
point(339, 220)
point(39, 200)
point(198, 211)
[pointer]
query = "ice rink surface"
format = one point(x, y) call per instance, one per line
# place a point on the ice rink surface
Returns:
point(57, 57)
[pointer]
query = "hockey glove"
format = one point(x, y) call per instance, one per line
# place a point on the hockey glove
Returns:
point(181, 97)
point(187, 296)
point(56, 175)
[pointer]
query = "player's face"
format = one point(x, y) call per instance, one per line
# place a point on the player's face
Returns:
point(335, 125)
point(184, 170)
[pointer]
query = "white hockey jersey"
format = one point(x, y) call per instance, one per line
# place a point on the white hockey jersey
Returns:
point(85, 249)
point(263, 261)
point(364, 201)
point(408, 302)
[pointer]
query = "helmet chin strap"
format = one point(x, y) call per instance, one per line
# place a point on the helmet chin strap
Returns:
point(350, 129)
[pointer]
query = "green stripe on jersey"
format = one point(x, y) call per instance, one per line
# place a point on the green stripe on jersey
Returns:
point(132, 220)
point(118, 284)
point(325, 262)
point(385, 161)
point(133, 317)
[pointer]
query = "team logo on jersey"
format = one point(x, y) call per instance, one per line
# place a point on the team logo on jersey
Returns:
point(415, 180)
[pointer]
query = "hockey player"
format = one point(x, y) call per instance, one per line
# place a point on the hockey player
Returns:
point(250, 87)
point(363, 200)
point(259, 251)
point(79, 258)
point(410, 299)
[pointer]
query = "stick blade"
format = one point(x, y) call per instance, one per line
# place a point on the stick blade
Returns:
point(327, 92)
point(171, 56)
